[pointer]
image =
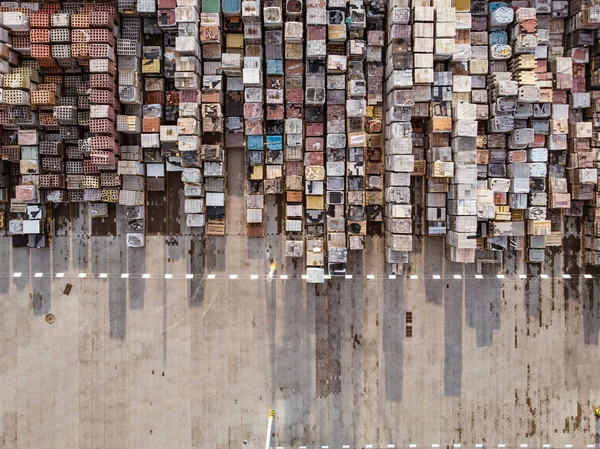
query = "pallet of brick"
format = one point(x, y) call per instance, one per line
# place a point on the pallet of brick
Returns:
point(212, 109)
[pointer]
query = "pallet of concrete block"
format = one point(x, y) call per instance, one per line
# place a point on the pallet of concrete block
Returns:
point(315, 252)
point(135, 240)
point(399, 242)
point(130, 168)
point(460, 255)
point(195, 220)
point(193, 206)
point(315, 275)
point(130, 197)
point(463, 240)
point(294, 248)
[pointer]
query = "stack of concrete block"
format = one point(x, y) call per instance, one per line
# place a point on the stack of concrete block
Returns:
point(254, 115)
point(399, 158)
point(340, 113)
point(375, 71)
point(440, 164)
point(314, 131)
point(187, 72)
point(358, 115)
point(212, 114)
point(294, 114)
point(274, 95)
point(581, 29)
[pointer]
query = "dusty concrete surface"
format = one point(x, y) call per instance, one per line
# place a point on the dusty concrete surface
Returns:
point(175, 363)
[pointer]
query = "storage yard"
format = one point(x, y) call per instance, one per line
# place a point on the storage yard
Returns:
point(424, 174)
point(473, 121)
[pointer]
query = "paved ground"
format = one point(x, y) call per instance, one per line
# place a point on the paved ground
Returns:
point(132, 363)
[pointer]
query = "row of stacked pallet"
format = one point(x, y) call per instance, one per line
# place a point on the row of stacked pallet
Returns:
point(373, 87)
point(339, 114)
point(186, 68)
point(592, 223)
point(582, 172)
point(398, 148)
point(294, 128)
point(314, 131)
point(528, 201)
point(232, 68)
point(274, 96)
point(362, 48)
point(134, 118)
point(21, 146)
point(212, 117)
point(561, 69)
point(505, 181)
point(439, 124)
point(455, 84)
point(253, 116)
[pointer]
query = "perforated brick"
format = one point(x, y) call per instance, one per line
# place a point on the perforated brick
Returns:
point(131, 63)
point(127, 78)
point(39, 20)
point(101, 126)
point(80, 50)
point(67, 101)
point(62, 19)
point(60, 35)
point(102, 19)
point(83, 102)
point(12, 153)
point(90, 182)
point(102, 81)
point(128, 47)
point(70, 132)
point(110, 195)
point(83, 118)
point(52, 165)
point(74, 152)
point(43, 98)
point(74, 167)
point(76, 196)
point(66, 114)
point(110, 179)
point(51, 148)
point(16, 97)
point(19, 113)
point(47, 119)
point(78, 36)
point(61, 51)
point(102, 36)
point(131, 27)
point(102, 143)
point(98, 96)
point(40, 51)
point(102, 66)
point(102, 51)
point(89, 167)
point(80, 20)
point(39, 36)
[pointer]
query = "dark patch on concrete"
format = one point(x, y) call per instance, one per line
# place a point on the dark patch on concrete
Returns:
point(197, 285)
point(328, 341)
point(136, 263)
point(453, 328)
point(393, 338)
point(434, 259)
point(483, 302)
